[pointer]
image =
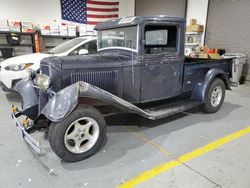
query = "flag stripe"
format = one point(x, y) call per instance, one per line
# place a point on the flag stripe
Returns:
point(101, 6)
point(102, 2)
point(92, 23)
point(103, 16)
point(101, 13)
point(98, 19)
point(102, 9)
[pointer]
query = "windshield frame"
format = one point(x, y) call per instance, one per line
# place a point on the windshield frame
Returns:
point(117, 47)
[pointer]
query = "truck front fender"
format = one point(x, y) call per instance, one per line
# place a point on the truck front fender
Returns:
point(204, 80)
point(29, 98)
point(65, 101)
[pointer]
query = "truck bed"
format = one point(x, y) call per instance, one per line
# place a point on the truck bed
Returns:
point(195, 66)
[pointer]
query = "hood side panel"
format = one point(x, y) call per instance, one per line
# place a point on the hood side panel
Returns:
point(106, 80)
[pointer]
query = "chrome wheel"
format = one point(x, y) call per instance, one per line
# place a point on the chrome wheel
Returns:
point(81, 135)
point(216, 96)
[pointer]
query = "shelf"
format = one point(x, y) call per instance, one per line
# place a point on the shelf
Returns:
point(194, 33)
point(58, 36)
point(192, 44)
point(21, 45)
point(18, 33)
point(50, 46)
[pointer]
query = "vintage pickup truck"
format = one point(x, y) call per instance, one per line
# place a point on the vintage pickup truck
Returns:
point(140, 68)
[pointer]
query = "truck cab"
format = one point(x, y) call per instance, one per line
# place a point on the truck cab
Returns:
point(155, 47)
point(140, 68)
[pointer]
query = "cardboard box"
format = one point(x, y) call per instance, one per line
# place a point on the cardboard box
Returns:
point(27, 25)
point(54, 30)
point(203, 56)
point(4, 23)
point(55, 33)
point(15, 29)
point(195, 28)
point(71, 27)
point(4, 28)
point(193, 22)
point(72, 33)
point(71, 30)
point(45, 29)
point(14, 23)
point(45, 32)
point(63, 30)
point(82, 30)
point(214, 56)
point(27, 30)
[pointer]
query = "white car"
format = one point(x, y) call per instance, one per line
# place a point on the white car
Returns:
point(14, 69)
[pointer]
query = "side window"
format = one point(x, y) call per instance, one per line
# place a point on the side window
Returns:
point(160, 39)
point(90, 46)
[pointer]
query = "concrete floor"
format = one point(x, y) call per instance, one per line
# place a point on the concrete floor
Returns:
point(135, 145)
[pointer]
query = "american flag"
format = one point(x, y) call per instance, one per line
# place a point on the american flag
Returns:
point(89, 11)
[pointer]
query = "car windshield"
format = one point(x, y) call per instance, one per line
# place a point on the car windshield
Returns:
point(125, 37)
point(66, 46)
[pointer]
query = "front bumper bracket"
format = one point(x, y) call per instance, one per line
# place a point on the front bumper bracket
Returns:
point(35, 145)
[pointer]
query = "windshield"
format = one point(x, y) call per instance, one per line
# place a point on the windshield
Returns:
point(66, 46)
point(125, 37)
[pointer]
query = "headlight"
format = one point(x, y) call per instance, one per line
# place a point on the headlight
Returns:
point(30, 74)
point(42, 81)
point(19, 67)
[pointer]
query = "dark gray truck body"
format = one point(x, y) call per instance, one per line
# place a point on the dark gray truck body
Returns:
point(133, 81)
point(135, 77)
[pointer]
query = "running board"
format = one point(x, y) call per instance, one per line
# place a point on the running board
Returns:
point(167, 110)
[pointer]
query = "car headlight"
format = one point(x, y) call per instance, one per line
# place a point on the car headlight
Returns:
point(30, 74)
point(18, 67)
point(42, 81)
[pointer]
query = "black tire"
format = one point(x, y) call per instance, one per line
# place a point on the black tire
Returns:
point(208, 107)
point(58, 130)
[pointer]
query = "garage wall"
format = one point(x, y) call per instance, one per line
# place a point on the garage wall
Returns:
point(228, 27)
point(46, 11)
point(156, 7)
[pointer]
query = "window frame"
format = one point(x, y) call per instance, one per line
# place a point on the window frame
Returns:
point(121, 48)
point(166, 24)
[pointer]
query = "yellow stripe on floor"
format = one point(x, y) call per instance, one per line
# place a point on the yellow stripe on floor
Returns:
point(182, 159)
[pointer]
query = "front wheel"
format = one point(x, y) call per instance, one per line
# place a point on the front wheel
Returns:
point(78, 136)
point(215, 97)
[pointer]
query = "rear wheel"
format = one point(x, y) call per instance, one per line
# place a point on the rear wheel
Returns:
point(78, 136)
point(215, 97)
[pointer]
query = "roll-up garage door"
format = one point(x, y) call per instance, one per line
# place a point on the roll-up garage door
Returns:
point(157, 7)
point(228, 27)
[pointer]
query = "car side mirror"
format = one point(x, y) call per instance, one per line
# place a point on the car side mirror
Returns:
point(83, 52)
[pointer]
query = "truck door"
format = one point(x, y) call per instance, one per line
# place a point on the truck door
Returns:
point(161, 61)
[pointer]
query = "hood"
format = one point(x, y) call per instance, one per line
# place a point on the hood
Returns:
point(30, 58)
point(82, 61)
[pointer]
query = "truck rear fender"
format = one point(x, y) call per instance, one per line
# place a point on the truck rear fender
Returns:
point(65, 101)
point(204, 80)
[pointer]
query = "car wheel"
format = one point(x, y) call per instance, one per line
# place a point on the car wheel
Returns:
point(78, 136)
point(215, 97)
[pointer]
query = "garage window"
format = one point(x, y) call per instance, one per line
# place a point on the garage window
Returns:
point(160, 39)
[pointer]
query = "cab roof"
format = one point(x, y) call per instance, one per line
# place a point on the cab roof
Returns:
point(135, 20)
